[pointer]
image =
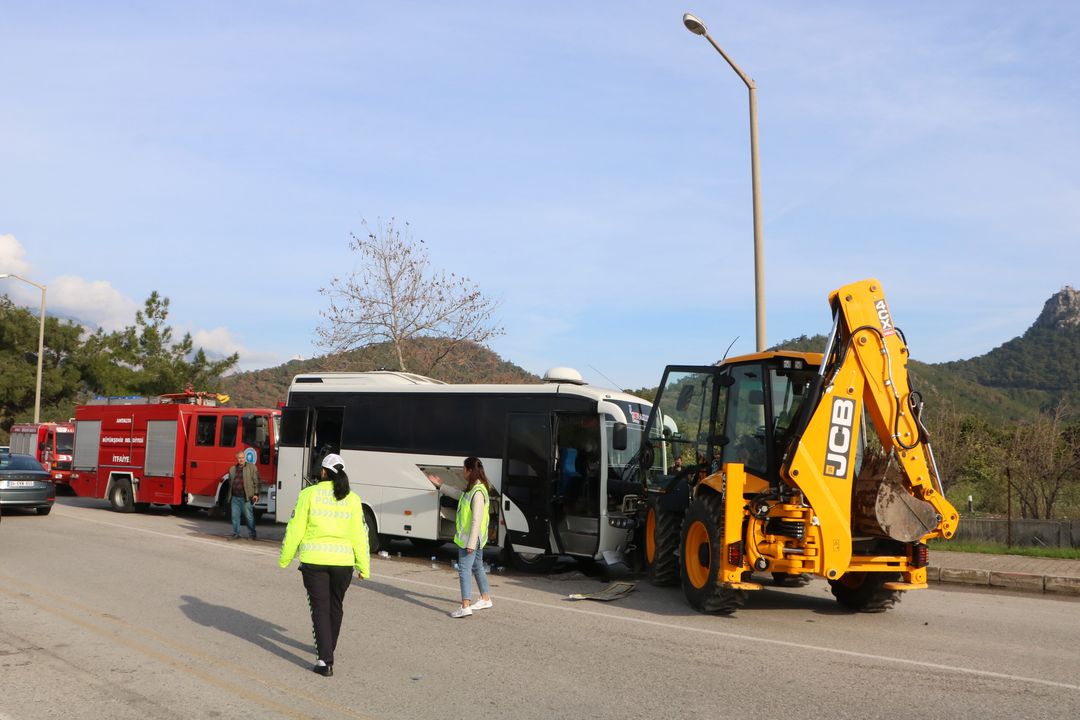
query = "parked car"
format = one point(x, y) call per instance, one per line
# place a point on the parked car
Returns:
point(24, 482)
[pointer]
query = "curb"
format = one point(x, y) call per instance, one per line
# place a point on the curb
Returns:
point(1021, 582)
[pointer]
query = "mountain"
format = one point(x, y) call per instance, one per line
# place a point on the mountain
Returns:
point(939, 384)
point(1011, 382)
point(1039, 368)
point(468, 363)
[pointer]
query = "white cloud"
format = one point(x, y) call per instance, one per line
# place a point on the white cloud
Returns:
point(220, 342)
point(11, 256)
point(12, 262)
point(95, 302)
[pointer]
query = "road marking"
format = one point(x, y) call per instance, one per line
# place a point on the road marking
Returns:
point(241, 545)
point(767, 641)
point(151, 636)
point(674, 626)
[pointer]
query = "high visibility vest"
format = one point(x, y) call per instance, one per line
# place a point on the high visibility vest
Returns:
point(465, 517)
point(327, 531)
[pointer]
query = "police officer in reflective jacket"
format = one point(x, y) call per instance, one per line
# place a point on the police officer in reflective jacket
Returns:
point(327, 528)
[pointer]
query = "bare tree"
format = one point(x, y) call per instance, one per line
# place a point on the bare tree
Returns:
point(396, 297)
point(1044, 462)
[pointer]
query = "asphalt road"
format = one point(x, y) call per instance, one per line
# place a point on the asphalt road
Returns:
point(104, 615)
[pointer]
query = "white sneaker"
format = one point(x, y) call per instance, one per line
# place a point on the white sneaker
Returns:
point(461, 612)
point(481, 604)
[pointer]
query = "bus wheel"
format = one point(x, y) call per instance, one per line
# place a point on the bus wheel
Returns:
point(121, 498)
point(374, 541)
point(530, 562)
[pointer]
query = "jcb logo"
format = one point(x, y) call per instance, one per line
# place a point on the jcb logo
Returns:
point(884, 317)
point(840, 440)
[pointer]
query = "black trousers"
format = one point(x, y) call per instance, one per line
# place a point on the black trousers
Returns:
point(326, 586)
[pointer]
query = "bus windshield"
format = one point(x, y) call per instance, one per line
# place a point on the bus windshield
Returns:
point(637, 414)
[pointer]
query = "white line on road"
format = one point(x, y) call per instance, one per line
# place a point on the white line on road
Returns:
point(664, 625)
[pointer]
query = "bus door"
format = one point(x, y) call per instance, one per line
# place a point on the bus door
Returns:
point(526, 481)
point(308, 434)
point(578, 497)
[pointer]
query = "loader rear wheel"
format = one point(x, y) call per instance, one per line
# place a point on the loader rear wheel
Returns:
point(662, 544)
point(865, 592)
point(702, 531)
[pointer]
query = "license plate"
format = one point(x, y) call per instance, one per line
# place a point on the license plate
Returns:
point(16, 483)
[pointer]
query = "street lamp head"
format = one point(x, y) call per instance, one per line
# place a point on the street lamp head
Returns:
point(4, 275)
point(693, 24)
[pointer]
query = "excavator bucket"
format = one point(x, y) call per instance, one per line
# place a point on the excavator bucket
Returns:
point(884, 507)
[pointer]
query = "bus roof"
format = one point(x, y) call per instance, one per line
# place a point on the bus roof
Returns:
point(388, 381)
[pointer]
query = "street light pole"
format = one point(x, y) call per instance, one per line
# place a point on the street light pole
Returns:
point(698, 28)
point(41, 340)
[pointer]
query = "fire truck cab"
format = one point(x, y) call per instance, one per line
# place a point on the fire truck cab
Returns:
point(49, 443)
point(171, 449)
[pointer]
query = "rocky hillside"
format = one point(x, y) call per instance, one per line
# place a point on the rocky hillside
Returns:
point(467, 364)
point(1040, 367)
point(1013, 381)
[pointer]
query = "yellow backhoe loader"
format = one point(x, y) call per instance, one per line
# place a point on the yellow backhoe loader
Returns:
point(795, 465)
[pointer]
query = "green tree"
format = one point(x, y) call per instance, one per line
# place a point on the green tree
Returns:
point(144, 359)
point(60, 377)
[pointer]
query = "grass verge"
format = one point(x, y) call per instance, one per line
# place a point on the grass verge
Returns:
point(999, 549)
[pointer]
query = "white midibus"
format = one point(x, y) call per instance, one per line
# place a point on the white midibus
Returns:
point(553, 451)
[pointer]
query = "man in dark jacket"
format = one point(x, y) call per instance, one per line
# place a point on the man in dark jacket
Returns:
point(243, 492)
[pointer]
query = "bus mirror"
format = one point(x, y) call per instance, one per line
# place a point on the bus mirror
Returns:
point(618, 436)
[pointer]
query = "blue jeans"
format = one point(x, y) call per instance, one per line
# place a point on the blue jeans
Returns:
point(471, 563)
point(243, 505)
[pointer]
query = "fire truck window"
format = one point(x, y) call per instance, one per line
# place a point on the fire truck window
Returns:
point(229, 425)
point(205, 426)
point(255, 433)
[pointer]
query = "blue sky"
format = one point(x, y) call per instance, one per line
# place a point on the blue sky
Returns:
point(585, 163)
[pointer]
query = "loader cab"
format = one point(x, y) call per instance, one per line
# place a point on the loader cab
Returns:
point(742, 411)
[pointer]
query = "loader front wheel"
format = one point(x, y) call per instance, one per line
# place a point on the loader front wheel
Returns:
point(865, 592)
point(702, 531)
point(661, 544)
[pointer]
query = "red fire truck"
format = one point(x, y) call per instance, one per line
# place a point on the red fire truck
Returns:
point(50, 443)
point(171, 449)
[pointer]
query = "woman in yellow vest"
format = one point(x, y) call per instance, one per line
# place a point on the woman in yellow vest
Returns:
point(327, 526)
point(471, 535)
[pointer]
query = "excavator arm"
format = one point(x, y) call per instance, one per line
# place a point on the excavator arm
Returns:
point(896, 494)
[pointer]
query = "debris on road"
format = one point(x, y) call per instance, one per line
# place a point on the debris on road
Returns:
point(614, 591)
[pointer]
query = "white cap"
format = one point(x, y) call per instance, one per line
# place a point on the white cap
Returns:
point(331, 460)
